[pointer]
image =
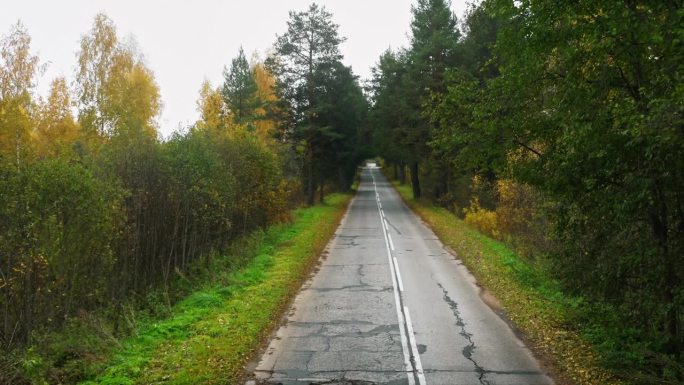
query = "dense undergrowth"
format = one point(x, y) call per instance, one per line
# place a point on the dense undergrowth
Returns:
point(233, 301)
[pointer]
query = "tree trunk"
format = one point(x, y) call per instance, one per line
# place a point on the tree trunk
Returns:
point(402, 173)
point(441, 188)
point(415, 183)
point(321, 197)
point(311, 185)
point(342, 179)
point(660, 227)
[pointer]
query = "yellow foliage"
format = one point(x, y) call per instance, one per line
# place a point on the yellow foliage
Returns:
point(95, 58)
point(15, 127)
point(526, 154)
point(217, 119)
point(56, 129)
point(514, 209)
point(264, 128)
point(117, 93)
point(138, 102)
point(214, 115)
point(516, 215)
point(18, 68)
point(482, 219)
point(277, 199)
point(132, 97)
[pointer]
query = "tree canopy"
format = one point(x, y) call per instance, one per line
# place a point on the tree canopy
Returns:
point(561, 124)
point(309, 75)
point(555, 127)
point(240, 89)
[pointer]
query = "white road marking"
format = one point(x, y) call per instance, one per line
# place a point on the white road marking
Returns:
point(414, 348)
point(386, 226)
point(404, 342)
point(396, 267)
point(382, 213)
point(389, 236)
point(397, 302)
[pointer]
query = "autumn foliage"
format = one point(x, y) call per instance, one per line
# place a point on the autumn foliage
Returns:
point(97, 210)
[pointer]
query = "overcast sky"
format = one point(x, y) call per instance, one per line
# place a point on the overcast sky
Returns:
point(185, 42)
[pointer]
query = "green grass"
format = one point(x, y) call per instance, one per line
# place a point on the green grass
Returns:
point(212, 333)
point(532, 300)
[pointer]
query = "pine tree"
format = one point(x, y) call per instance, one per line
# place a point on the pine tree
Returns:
point(434, 46)
point(309, 48)
point(240, 89)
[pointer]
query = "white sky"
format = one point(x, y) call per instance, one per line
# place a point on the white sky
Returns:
point(185, 42)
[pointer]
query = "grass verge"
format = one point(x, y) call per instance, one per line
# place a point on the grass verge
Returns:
point(211, 334)
point(530, 299)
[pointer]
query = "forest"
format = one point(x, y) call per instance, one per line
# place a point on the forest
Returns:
point(555, 127)
point(99, 214)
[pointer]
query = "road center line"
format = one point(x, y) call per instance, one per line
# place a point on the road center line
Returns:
point(414, 347)
point(389, 236)
point(404, 342)
point(396, 267)
point(397, 302)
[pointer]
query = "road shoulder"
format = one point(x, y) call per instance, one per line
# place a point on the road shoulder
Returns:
point(530, 310)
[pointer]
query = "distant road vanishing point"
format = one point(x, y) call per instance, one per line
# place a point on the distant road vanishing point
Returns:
point(389, 305)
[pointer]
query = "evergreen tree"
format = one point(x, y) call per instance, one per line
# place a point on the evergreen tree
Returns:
point(308, 49)
point(240, 89)
point(342, 110)
point(434, 46)
point(390, 112)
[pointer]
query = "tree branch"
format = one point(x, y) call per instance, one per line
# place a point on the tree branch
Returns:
point(528, 148)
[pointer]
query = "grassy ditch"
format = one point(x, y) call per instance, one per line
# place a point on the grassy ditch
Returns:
point(531, 300)
point(211, 334)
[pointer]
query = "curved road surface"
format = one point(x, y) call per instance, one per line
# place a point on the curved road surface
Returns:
point(389, 305)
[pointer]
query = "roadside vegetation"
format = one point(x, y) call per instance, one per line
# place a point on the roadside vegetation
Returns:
point(558, 326)
point(210, 335)
point(554, 128)
point(114, 240)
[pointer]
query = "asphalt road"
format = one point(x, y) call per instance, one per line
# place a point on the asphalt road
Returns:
point(389, 305)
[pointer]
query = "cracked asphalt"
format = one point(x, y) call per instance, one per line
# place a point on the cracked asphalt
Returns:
point(349, 324)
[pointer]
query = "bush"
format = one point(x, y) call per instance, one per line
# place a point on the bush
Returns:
point(482, 219)
point(95, 233)
point(58, 223)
